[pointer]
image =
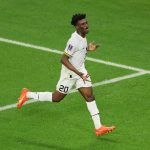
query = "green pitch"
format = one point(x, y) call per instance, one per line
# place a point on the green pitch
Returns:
point(122, 28)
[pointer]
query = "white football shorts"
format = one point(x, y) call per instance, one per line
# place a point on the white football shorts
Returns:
point(69, 80)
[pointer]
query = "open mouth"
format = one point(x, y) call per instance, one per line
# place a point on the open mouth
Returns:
point(86, 29)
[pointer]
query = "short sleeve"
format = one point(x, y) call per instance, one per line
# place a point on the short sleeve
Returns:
point(70, 48)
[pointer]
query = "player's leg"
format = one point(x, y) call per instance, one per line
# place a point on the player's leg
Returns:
point(63, 87)
point(41, 96)
point(57, 96)
point(86, 90)
point(87, 93)
point(46, 96)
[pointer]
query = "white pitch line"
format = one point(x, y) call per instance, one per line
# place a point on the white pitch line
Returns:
point(60, 52)
point(114, 80)
point(30, 45)
point(15, 105)
point(117, 65)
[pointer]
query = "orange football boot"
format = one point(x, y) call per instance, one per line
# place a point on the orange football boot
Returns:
point(103, 130)
point(22, 97)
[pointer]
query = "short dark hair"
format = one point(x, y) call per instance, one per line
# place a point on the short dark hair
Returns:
point(76, 18)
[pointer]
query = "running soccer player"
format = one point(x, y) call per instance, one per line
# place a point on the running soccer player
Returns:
point(73, 73)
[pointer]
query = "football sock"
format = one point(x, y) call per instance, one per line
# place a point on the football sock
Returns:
point(96, 120)
point(92, 107)
point(41, 96)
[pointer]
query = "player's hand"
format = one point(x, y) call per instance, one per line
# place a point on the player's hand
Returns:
point(93, 46)
point(84, 77)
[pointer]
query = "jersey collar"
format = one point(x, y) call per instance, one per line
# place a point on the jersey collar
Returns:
point(79, 36)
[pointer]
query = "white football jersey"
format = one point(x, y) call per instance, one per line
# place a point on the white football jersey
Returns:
point(76, 49)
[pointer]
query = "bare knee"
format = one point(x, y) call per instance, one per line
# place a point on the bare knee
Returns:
point(57, 99)
point(89, 98)
point(57, 96)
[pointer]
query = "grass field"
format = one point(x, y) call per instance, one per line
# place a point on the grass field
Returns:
point(122, 28)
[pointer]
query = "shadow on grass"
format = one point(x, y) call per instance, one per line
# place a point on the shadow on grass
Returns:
point(106, 139)
point(41, 144)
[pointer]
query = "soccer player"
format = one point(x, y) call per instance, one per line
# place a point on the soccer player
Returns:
point(73, 73)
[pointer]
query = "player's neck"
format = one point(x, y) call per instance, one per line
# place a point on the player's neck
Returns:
point(81, 34)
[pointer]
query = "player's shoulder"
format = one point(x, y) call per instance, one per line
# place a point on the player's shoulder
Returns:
point(74, 39)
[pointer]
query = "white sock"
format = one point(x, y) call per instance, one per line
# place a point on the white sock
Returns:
point(92, 107)
point(41, 96)
point(96, 120)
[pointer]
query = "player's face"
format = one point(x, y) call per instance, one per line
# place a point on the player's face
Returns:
point(82, 26)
